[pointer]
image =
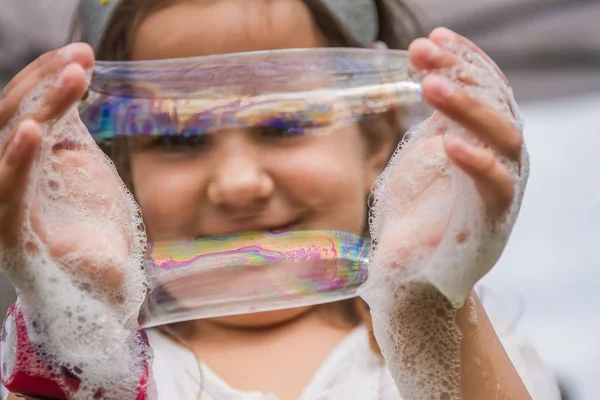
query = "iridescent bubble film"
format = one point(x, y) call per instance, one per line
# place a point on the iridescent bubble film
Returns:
point(199, 95)
point(252, 272)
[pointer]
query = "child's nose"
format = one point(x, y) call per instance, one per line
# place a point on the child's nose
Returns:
point(239, 179)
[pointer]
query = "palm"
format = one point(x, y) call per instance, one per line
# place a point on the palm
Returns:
point(78, 213)
point(445, 205)
point(82, 212)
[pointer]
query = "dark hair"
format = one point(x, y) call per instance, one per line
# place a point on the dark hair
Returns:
point(398, 27)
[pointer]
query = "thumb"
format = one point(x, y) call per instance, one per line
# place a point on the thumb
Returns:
point(15, 166)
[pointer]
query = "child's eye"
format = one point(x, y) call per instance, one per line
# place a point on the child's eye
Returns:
point(180, 142)
point(287, 128)
point(274, 132)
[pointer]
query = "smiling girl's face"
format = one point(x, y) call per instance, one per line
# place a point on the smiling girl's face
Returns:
point(248, 179)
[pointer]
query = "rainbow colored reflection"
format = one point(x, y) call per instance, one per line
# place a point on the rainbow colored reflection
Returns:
point(305, 87)
point(252, 272)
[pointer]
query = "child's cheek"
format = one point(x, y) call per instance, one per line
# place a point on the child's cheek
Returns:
point(168, 194)
point(327, 178)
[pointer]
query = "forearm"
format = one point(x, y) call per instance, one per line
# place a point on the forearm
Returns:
point(486, 370)
point(435, 351)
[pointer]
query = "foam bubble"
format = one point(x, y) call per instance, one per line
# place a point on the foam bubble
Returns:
point(78, 269)
point(430, 229)
point(472, 311)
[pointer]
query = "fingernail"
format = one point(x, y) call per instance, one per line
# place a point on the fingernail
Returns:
point(18, 138)
point(459, 145)
point(445, 34)
point(431, 51)
point(69, 51)
point(444, 87)
point(62, 79)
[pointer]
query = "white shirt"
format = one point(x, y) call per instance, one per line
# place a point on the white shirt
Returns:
point(351, 372)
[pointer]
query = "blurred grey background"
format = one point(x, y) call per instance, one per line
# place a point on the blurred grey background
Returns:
point(549, 275)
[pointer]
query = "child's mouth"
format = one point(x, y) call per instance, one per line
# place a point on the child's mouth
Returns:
point(274, 228)
point(285, 228)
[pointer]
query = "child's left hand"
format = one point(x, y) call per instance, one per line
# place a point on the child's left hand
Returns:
point(444, 207)
point(495, 130)
point(441, 216)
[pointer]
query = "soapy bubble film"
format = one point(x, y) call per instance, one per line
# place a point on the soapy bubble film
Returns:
point(429, 227)
point(78, 265)
point(305, 90)
point(252, 272)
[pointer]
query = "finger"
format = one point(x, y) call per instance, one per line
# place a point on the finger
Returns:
point(492, 179)
point(41, 69)
point(50, 63)
point(69, 88)
point(18, 157)
point(40, 62)
point(425, 54)
point(445, 38)
point(15, 165)
point(486, 123)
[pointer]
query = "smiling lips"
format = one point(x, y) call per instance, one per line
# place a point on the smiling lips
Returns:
point(274, 228)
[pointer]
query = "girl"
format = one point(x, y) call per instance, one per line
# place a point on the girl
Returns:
point(311, 352)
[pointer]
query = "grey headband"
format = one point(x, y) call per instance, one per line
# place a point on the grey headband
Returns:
point(359, 17)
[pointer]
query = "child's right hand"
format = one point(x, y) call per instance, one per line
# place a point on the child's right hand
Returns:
point(72, 206)
point(71, 241)
point(21, 135)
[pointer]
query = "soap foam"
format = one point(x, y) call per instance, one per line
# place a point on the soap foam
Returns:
point(430, 229)
point(78, 268)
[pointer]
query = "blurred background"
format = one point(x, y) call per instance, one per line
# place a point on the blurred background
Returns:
point(549, 276)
